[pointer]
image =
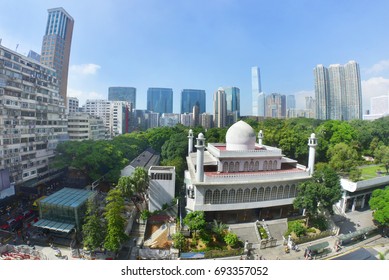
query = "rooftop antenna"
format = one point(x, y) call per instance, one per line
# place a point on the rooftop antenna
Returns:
point(16, 49)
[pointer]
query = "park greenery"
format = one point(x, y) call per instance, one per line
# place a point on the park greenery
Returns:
point(340, 143)
point(379, 203)
point(213, 238)
point(319, 193)
point(340, 151)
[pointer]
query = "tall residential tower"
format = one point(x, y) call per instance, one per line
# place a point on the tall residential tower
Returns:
point(338, 92)
point(56, 45)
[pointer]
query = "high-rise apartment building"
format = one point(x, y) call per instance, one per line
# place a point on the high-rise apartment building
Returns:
point(83, 126)
point(220, 108)
point(187, 119)
point(191, 98)
point(290, 102)
point(353, 91)
point(169, 119)
point(56, 45)
point(258, 97)
point(338, 91)
point(123, 94)
point(160, 100)
point(321, 91)
point(73, 105)
point(206, 120)
point(32, 119)
point(275, 106)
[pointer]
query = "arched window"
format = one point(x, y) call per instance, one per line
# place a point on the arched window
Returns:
point(275, 165)
point(256, 167)
point(246, 195)
point(231, 196)
point(231, 169)
point(239, 195)
point(208, 197)
point(265, 165)
point(267, 194)
point(270, 165)
point(260, 194)
point(224, 197)
point(237, 166)
point(274, 193)
point(225, 167)
point(286, 192)
point(293, 191)
point(246, 166)
point(251, 166)
point(216, 197)
point(280, 192)
point(253, 195)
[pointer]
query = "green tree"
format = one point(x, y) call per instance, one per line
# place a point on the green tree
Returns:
point(343, 158)
point(141, 181)
point(319, 193)
point(93, 229)
point(297, 227)
point(115, 221)
point(231, 239)
point(219, 228)
point(179, 240)
point(382, 156)
point(195, 221)
point(379, 203)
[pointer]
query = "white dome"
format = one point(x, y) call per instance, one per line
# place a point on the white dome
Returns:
point(240, 136)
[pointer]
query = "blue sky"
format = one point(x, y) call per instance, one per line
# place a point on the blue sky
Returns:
point(205, 44)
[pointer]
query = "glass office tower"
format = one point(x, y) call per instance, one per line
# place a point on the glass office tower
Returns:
point(160, 100)
point(123, 94)
point(192, 97)
point(258, 97)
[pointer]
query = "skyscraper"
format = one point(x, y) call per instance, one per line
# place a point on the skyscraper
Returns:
point(275, 106)
point(123, 94)
point(321, 91)
point(290, 102)
point(192, 97)
point(338, 92)
point(160, 100)
point(233, 104)
point(353, 91)
point(219, 108)
point(257, 95)
point(56, 45)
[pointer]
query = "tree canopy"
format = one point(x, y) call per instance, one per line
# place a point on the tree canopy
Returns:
point(115, 221)
point(320, 192)
point(379, 203)
point(195, 221)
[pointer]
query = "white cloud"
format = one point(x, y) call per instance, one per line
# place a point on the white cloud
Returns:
point(84, 69)
point(373, 87)
point(83, 95)
point(378, 68)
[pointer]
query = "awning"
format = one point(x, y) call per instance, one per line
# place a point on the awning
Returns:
point(54, 225)
point(318, 247)
point(190, 255)
point(356, 233)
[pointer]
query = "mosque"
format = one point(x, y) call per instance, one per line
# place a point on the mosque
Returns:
point(243, 180)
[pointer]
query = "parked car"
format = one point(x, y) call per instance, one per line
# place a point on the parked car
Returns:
point(27, 213)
